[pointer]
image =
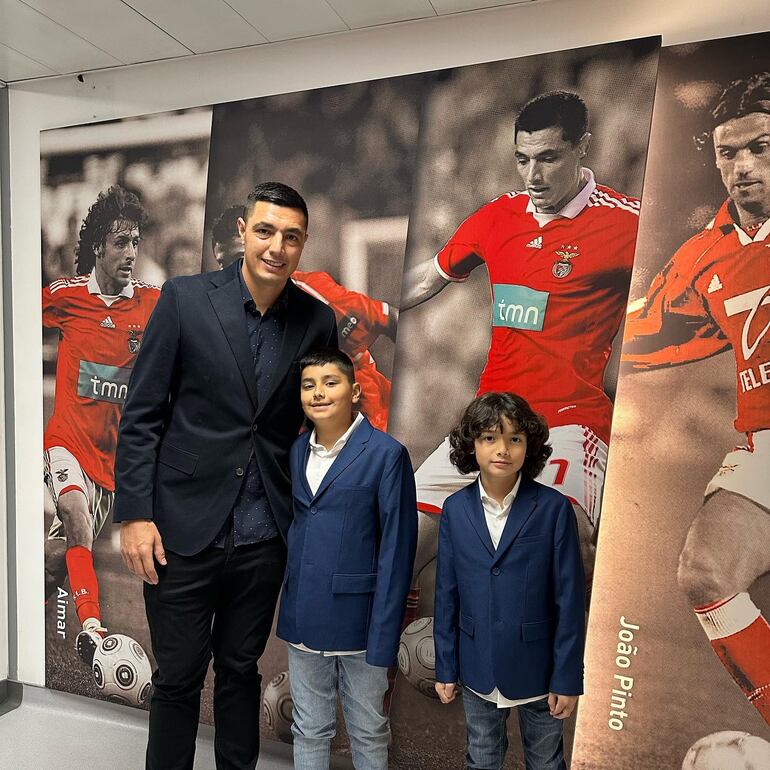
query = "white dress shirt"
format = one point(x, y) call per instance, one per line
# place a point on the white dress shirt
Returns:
point(496, 516)
point(319, 460)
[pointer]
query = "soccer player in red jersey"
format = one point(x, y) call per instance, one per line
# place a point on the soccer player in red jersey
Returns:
point(713, 296)
point(559, 258)
point(101, 315)
point(360, 319)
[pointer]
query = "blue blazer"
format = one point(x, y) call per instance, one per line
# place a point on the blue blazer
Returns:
point(511, 618)
point(191, 418)
point(351, 548)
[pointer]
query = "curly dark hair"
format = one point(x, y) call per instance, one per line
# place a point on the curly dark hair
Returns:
point(112, 209)
point(486, 412)
point(742, 97)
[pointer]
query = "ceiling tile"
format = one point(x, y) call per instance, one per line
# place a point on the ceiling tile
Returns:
point(17, 66)
point(202, 25)
point(112, 26)
point(366, 13)
point(289, 18)
point(43, 40)
point(455, 6)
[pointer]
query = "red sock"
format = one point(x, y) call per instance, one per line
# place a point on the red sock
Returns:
point(740, 637)
point(83, 582)
point(412, 604)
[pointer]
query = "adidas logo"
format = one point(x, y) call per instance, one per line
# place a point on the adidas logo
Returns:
point(715, 284)
point(536, 243)
point(107, 323)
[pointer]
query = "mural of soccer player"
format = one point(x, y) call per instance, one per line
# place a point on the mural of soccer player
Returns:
point(361, 320)
point(559, 257)
point(714, 296)
point(226, 243)
point(101, 314)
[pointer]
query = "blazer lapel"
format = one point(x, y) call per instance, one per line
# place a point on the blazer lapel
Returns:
point(301, 449)
point(227, 302)
point(521, 509)
point(296, 327)
point(475, 511)
point(352, 449)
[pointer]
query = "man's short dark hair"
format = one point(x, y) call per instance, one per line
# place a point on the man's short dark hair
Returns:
point(486, 413)
point(742, 97)
point(226, 225)
point(561, 109)
point(278, 193)
point(329, 356)
point(113, 209)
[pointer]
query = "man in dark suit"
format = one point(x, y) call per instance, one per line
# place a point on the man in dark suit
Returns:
point(202, 475)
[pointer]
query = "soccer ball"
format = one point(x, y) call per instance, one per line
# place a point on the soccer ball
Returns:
point(728, 750)
point(417, 656)
point(121, 670)
point(277, 706)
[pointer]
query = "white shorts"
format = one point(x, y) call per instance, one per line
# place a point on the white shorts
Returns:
point(744, 471)
point(64, 474)
point(576, 469)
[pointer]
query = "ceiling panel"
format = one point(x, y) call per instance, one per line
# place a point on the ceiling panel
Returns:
point(112, 26)
point(202, 25)
point(366, 13)
point(38, 37)
point(289, 18)
point(17, 66)
point(455, 6)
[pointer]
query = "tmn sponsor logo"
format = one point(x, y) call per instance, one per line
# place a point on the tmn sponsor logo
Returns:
point(519, 307)
point(101, 382)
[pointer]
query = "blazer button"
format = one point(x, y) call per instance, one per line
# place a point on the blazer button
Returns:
point(254, 427)
point(495, 570)
point(314, 510)
point(239, 471)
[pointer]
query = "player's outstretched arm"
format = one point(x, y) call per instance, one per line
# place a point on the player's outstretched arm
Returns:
point(421, 282)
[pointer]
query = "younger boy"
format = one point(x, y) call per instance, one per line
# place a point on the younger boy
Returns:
point(510, 597)
point(350, 553)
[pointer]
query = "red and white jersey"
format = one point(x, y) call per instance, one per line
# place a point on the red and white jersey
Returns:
point(559, 287)
point(99, 337)
point(714, 294)
point(360, 321)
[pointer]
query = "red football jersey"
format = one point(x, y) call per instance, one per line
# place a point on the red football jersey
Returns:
point(559, 286)
point(714, 294)
point(360, 321)
point(98, 343)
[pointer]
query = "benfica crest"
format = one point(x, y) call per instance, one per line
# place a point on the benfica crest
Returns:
point(563, 266)
point(134, 341)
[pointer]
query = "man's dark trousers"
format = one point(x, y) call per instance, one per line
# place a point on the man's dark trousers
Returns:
point(236, 589)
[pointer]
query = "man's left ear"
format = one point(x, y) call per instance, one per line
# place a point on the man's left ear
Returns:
point(583, 144)
point(356, 392)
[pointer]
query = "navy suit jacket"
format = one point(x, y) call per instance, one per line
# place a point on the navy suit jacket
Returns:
point(191, 420)
point(351, 548)
point(514, 617)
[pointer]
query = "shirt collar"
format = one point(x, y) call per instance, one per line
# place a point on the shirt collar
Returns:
point(573, 207)
point(340, 442)
point(94, 288)
point(278, 306)
point(507, 500)
point(727, 217)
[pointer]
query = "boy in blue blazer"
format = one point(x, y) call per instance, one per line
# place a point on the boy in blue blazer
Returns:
point(510, 588)
point(351, 549)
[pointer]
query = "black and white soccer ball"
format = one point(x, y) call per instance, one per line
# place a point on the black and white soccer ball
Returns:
point(277, 706)
point(728, 750)
point(417, 656)
point(121, 670)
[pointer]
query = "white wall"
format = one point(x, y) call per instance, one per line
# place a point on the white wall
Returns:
point(395, 49)
point(4, 561)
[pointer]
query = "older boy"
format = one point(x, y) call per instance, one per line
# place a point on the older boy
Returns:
point(510, 600)
point(350, 552)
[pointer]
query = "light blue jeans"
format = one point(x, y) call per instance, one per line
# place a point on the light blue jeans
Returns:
point(315, 681)
point(541, 734)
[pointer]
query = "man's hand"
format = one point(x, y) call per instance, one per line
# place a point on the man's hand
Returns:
point(447, 691)
point(140, 546)
point(561, 706)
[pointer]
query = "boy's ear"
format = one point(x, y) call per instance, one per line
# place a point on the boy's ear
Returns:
point(356, 392)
